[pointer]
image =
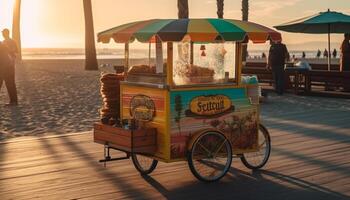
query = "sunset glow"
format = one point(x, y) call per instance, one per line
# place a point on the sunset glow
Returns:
point(60, 23)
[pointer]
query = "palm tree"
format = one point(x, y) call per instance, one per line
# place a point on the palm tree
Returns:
point(245, 10)
point(90, 49)
point(245, 14)
point(16, 27)
point(182, 6)
point(220, 8)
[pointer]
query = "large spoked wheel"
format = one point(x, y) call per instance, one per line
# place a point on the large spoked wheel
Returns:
point(144, 164)
point(210, 156)
point(257, 160)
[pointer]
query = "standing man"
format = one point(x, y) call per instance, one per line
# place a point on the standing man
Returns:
point(278, 55)
point(7, 65)
point(345, 56)
point(335, 53)
point(345, 53)
point(325, 53)
point(318, 55)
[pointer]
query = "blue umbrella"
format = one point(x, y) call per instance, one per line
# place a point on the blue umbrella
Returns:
point(321, 23)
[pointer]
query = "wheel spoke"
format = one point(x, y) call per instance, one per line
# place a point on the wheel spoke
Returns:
point(204, 148)
point(210, 167)
point(217, 151)
point(262, 144)
point(256, 160)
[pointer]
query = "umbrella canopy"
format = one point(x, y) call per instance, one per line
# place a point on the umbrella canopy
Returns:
point(323, 22)
point(199, 30)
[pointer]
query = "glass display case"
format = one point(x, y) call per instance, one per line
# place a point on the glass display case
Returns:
point(146, 63)
point(190, 63)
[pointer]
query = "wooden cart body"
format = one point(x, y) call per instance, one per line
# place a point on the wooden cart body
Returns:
point(188, 107)
point(179, 113)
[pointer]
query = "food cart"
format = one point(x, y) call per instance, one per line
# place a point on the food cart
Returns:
point(188, 101)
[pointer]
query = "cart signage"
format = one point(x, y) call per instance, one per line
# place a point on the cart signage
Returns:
point(210, 105)
point(142, 108)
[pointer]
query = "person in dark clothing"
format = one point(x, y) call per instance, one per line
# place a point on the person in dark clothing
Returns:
point(318, 55)
point(345, 56)
point(8, 52)
point(325, 53)
point(345, 53)
point(335, 53)
point(303, 55)
point(278, 54)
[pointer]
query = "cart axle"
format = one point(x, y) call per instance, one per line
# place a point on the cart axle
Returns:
point(107, 159)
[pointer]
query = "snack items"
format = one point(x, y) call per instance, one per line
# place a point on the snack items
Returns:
point(145, 69)
point(198, 74)
point(110, 93)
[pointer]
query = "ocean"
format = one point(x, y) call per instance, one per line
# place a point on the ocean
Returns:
point(70, 53)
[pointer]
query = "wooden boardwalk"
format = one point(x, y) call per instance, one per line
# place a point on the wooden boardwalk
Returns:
point(310, 160)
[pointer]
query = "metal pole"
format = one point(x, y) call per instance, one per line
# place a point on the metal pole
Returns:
point(191, 56)
point(149, 54)
point(329, 47)
point(126, 60)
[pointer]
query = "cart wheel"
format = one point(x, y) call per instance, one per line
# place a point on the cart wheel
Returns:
point(256, 160)
point(210, 156)
point(144, 164)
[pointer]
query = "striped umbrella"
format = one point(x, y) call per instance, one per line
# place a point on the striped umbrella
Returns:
point(199, 30)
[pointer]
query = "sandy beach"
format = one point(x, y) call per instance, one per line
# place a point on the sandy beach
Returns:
point(55, 96)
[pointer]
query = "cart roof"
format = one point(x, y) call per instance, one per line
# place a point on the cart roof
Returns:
point(199, 30)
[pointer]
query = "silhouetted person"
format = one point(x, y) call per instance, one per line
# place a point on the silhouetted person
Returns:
point(325, 53)
point(345, 53)
point(278, 54)
point(334, 53)
point(293, 57)
point(9, 52)
point(318, 55)
point(303, 55)
point(263, 55)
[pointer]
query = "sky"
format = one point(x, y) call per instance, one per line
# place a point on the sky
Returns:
point(60, 23)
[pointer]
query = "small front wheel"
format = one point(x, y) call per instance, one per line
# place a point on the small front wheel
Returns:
point(210, 156)
point(257, 160)
point(144, 164)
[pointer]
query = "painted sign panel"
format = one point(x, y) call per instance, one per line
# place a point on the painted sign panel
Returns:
point(227, 110)
point(142, 108)
point(209, 105)
point(148, 105)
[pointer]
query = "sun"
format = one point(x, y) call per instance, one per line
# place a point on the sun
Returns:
point(31, 14)
point(6, 9)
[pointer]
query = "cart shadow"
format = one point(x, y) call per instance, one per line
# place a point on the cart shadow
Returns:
point(238, 184)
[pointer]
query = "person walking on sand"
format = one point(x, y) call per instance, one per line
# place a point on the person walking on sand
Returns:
point(8, 55)
point(278, 54)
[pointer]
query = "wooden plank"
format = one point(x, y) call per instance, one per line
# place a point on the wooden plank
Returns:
point(309, 160)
